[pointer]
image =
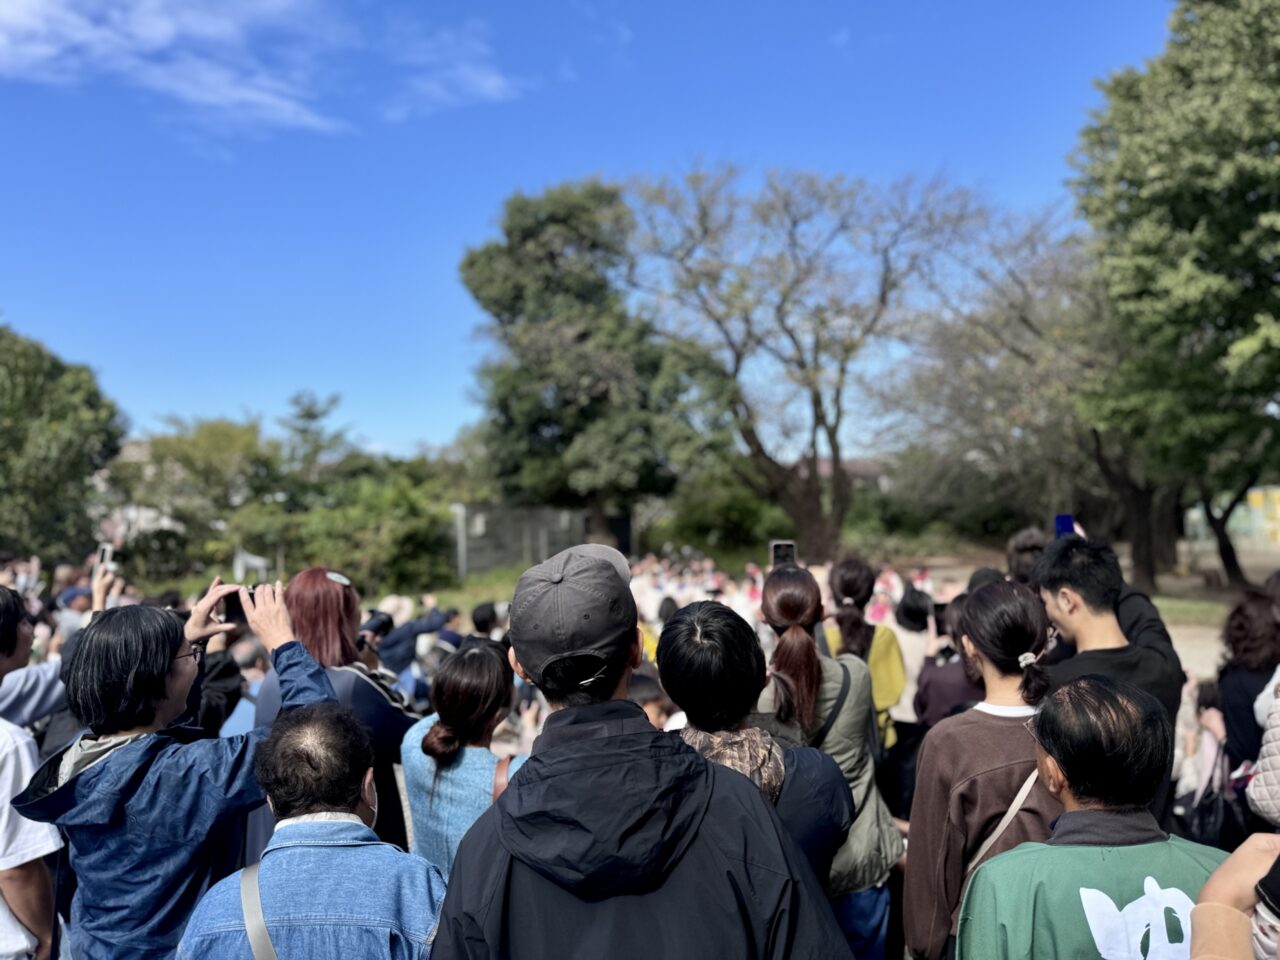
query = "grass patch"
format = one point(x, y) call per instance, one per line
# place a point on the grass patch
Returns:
point(1192, 613)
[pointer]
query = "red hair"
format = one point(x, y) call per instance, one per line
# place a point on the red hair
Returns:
point(325, 614)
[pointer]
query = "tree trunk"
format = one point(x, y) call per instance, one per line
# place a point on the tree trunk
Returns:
point(817, 538)
point(1167, 527)
point(599, 531)
point(1218, 524)
point(1139, 503)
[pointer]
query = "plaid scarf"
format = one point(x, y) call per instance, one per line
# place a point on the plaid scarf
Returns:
point(753, 753)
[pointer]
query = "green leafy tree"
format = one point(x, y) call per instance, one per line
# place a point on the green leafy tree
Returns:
point(1180, 179)
point(583, 398)
point(57, 431)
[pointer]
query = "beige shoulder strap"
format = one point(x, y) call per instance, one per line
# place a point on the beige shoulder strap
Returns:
point(255, 924)
point(1002, 826)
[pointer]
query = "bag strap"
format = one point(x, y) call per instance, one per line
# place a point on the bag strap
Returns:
point(1003, 825)
point(821, 733)
point(255, 924)
point(501, 774)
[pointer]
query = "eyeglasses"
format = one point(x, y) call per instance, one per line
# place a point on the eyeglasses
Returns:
point(196, 653)
point(1030, 727)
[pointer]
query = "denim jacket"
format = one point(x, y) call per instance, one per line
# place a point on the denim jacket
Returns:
point(328, 889)
point(154, 822)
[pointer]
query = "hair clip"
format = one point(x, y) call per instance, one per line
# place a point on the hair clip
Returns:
point(337, 578)
point(1026, 659)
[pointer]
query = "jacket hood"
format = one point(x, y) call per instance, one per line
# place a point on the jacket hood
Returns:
point(99, 792)
point(606, 805)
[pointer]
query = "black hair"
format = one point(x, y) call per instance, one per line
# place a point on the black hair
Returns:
point(852, 582)
point(711, 664)
point(314, 761)
point(1005, 621)
point(483, 618)
point(120, 667)
point(667, 609)
point(982, 576)
point(642, 689)
point(13, 612)
point(472, 691)
point(1252, 634)
point(1088, 567)
point(1112, 740)
point(914, 610)
point(1023, 550)
point(584, 679)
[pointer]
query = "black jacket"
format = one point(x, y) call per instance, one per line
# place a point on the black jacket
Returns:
point(815, 806)
point(616, 840)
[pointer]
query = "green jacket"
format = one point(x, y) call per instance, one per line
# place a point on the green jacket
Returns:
point(1105, 886)
point(873, 844)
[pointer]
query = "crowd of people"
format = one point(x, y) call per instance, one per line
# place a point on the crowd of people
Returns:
point(658, 758)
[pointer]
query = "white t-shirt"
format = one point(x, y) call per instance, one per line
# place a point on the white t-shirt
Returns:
point(21, 840)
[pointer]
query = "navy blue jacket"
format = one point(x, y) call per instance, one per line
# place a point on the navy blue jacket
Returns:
point(155, 822)
point(815, 806)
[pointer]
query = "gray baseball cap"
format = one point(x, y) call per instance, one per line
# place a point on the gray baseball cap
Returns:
point(578, 603)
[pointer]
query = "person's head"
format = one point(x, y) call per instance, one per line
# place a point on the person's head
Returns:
point(574, 630)
point(250, 654)
point(472, 692)
point(914, 610)
point(1079, 581)
point(325, 610)
point(1023, 550)
point(852, 582)
point(1003, 625)
point(711, 664)
point(982, 576)
point(78, 599)
point(318, 759)
point(483, 619)
point(452, 619)
point(667, 609)
point(647, 693)
point(1252, 634)
point(951, 619)
point(17, 631)
point(131, 668)
point(792, 606)
point(1102, 744)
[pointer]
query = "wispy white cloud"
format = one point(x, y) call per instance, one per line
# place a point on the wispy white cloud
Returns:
point(202, 54)
point(841, 37)
point(251, 62)
point(447, 67)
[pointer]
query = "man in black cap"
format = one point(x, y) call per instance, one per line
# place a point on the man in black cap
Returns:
point(615, 839)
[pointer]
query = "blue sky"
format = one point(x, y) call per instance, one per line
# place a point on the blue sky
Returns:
point(215, 203)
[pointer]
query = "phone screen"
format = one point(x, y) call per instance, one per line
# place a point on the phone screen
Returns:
point(782, 553)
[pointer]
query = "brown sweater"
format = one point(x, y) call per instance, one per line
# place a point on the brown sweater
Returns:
point(970, 769)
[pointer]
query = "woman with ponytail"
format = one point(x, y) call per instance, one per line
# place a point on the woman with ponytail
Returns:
point(977, 790)
point(450, 773)
point(325, 608)
point(852, 583)
point(829, 700)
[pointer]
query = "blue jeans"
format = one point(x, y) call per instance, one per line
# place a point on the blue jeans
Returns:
point(863, 917)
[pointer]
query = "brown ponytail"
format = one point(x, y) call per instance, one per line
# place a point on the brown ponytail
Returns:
point(472, 692)
point(792, 606)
